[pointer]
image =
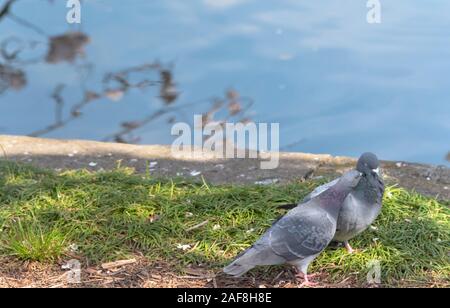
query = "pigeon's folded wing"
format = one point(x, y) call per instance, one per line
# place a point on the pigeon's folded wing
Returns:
point(299, 236)
point(320, 190)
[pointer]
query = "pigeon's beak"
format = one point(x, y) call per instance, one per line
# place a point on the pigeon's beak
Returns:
point(377, 171)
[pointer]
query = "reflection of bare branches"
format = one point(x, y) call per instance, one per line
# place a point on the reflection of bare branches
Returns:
point(125, 84)
point(168, 90)
point(59, 103)
point(129, 127)
point(125, 134)
point(4, 11)
point(12, 47)
point(116, 85)
point(11, 77)
point(27, 24)
point(75, 112)
point(66, 47)
point(10, 54)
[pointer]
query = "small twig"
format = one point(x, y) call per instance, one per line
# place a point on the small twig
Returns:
point(116, 264)
point(198, 226)
point(278, 276)
point(194, 277)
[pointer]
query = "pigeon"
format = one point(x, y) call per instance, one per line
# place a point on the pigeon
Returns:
point(362, 206)
point(301, 235)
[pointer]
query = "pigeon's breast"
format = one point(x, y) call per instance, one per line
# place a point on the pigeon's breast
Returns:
point(356, 215)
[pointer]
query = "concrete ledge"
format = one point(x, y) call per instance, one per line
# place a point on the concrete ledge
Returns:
point(158, 160)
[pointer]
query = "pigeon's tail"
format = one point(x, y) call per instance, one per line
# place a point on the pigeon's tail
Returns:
point(242, 264)
point(237, 268)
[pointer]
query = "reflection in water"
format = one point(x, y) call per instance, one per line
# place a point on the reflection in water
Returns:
point(335, 83)
point(69, 47)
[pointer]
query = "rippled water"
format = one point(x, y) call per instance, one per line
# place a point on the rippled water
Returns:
point(335, 83)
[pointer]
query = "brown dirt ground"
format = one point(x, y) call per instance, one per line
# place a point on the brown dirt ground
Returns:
point(143, 274)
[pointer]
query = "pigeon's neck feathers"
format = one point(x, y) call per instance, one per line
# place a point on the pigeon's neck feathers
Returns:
point(332, 199)
point(372, 188)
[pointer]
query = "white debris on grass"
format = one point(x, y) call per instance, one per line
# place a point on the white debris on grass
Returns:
point(73, 248)
point(184, 247)
point(389, 195)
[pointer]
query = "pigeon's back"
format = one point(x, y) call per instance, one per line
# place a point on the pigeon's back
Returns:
point(303, 232)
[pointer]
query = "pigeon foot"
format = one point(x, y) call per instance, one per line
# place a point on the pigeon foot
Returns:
point(349, 248)
point(304, 280)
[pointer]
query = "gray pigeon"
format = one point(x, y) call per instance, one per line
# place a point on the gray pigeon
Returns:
point(362, 205)
point(301, 235)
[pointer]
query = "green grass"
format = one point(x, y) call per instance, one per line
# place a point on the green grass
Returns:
point(108, 216)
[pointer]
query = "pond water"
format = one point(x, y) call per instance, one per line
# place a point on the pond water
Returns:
point(334, 82)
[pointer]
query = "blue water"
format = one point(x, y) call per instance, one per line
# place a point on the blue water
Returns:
point(335, 83)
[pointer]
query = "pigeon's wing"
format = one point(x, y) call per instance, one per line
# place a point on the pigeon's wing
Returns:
point(320, 190)
point(310, 196)
point(301, 233)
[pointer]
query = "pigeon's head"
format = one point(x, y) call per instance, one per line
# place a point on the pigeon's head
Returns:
point(368, 164)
